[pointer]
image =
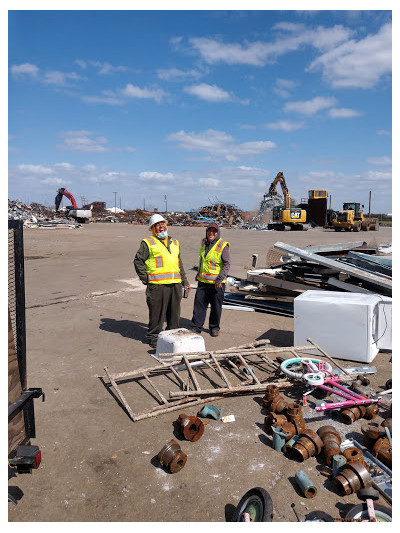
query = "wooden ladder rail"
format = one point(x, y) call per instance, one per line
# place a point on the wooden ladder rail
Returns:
point(191, 373)
point(163, 400)
point(221, 372)
point(120, 395)
point(251, 372)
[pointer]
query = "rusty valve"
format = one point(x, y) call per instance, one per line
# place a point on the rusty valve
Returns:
point(350, 415)
point(382, 450)
point(273, 401)
point(294, 415)
point(308, 444)
point(353, 477)
point(272, 419)
point(331, 442)
point(191, 427)
point(371, 411)
point(354, 455)
point(371, 433)
point(172, 457)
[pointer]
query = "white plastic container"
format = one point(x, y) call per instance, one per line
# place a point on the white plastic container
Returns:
point(344, 325)
point(179, 340)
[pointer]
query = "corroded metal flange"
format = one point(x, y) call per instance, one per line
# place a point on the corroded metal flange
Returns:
point(191, 426)
point(172, 457)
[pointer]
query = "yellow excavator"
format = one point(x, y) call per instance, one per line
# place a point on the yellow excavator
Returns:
point(285, 217)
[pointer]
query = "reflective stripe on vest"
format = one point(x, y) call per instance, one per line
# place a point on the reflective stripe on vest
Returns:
point(162, 266)
point(211, 264)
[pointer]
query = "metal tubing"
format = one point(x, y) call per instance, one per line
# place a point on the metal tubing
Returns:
point(306, 485)
point(278, 438)
point(338, 462)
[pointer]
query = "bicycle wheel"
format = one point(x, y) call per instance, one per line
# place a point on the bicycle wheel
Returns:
point(295, 368)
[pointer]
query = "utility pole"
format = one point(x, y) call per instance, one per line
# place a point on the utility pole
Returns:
point(115, 202)
point(166, 205)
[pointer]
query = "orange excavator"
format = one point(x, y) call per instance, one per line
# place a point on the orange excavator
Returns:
point(80, 215)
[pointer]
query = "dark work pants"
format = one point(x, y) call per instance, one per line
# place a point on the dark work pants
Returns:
point(164, 303)
point(207, 293)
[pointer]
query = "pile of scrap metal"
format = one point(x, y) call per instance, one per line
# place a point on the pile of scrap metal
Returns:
point(223, 214)
point(352, 267)
point(37, 216)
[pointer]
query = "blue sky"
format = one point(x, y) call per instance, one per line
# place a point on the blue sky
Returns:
point(200, 106)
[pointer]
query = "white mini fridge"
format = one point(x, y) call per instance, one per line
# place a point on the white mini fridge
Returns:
point(343, 324)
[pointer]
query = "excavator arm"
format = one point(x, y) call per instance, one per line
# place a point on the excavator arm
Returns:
point(63, 192)
point(272, 189)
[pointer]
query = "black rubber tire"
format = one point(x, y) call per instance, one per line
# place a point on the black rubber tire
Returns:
point(319, 516)
point(361, 511)
point(370, 493)
point(257, 502)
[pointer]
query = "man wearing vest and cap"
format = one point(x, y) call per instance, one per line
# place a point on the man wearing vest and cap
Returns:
point(159, 266)
point(214, 266)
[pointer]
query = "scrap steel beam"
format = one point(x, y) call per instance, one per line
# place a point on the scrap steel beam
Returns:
point(331, 263)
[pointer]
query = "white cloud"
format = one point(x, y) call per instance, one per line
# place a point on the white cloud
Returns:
point(383, 161)
point(377, 175)
point(56, 77)
point(210, 182)
point(34, 169)
point(211, 93)
point(25, 69)
point(310, 107)
point(106, 99)
point(132, 91)
point(65, 166)
point(54, 181)
point(284, 87)
point(343, 112)
point(107, 68)
point(155, 176)
point(358, 64)
point(285, 125)
point(384, 132)
point(175, 74)
point(219, 144)
point(83, 141)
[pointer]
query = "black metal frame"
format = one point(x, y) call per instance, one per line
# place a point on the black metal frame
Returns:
point(25, 401)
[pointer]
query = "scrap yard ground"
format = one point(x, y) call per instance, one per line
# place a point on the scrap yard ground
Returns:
point(86, 309)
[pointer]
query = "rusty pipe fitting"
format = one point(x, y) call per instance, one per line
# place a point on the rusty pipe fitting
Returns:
point(192, 427)
point(353, 477)
point(172, 457)
point(351, 414)
point(382, 450)
point(371, 433)
point(354, 455)
point(331, 441)
point(277, 405)
point(294, 413)
point(272, 419)
point(387, 424)
point(371, 411)
point(270, 392)
point(289, 429)
point(309, 444)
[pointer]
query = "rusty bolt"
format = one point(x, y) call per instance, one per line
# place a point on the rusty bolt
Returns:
point(353, 477)
point(355, 455)
point(308, 444)
point(351, 414)
point(172, 457)
point(272, 419)
point(191, 427)
point(331, 442)
point(382, 450)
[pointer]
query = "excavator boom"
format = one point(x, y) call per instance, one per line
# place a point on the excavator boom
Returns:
point(272, 189)
point(63, 192)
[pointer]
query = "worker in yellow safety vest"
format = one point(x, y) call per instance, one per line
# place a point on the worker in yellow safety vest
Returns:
point(159, 266)
point(213, 269)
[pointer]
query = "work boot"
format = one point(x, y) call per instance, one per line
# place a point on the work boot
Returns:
point(195, 330)
point(214, 332)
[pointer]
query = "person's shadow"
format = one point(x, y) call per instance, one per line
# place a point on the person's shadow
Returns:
point(132, 329)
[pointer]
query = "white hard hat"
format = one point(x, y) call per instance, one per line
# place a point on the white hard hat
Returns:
point(156, 218)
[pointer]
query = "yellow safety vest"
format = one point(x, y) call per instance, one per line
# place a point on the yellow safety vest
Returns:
point(162, 266)
point(211, 264)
